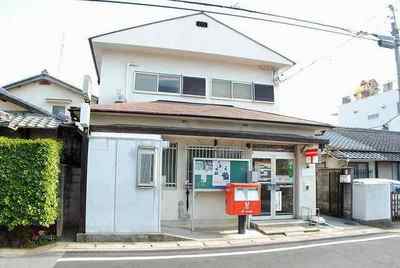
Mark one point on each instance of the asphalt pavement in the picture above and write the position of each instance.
(364, 251)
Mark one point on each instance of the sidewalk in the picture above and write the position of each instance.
(337, 228)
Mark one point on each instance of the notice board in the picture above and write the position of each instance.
(214, 174)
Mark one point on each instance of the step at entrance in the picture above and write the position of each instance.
(283, 227)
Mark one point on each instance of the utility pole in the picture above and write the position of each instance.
(396, 41)
(393, 42)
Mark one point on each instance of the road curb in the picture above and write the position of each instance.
(61, 247)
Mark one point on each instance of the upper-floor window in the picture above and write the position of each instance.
(194, 86)
(169, 83)
(58, 110)
(241, 90)
(373, 116)
(264, 92)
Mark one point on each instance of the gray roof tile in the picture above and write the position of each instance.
(359, 139)
(15, 120)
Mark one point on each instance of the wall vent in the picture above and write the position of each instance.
(201, 24)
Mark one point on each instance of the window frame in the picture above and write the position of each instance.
(212, 88)
(56, 105)
(190, 95)
(252, 84)
(263, 101)
(373, 116)
(134, 90)
(140, 151)
(244, 83)
(169, 93)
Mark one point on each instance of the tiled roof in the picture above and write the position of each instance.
(15, 120)
(363, 144)
(359, 139)
(202, 110)
(366, 155)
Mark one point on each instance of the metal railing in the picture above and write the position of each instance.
(395, 206)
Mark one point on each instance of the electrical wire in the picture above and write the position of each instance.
(262, 13)
(364, 34)
(313, 62)
(387, 122)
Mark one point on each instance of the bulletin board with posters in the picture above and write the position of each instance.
(214, 174)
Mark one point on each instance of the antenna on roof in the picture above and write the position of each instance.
(87, 87)
(61, 54)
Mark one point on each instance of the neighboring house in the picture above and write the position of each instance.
(19, 118)
(362, 153)
(208, 91)
(49, 93)
(379, 111)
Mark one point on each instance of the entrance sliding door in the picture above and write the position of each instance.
(284, 187)
(263, 167)
(275, 172)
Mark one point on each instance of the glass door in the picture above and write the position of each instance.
(263, 167)
(275, 172)
(284, 186)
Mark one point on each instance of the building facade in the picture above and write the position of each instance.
(360, 153)
(377, 111)
(208, 91)
(49, 93)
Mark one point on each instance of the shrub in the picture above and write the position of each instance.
(29, 172)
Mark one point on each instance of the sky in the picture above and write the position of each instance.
(53, 35)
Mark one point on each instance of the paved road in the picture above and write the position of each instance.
(365, 252)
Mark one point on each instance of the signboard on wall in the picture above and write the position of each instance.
(214, 174)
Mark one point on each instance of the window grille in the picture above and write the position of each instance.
(221, 152)
(146, 160)
(169, 165)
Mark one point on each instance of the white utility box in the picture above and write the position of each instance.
(371, 199)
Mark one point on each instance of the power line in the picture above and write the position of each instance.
(313, 62)
(364, 34)
(387, 122)
(263, 13)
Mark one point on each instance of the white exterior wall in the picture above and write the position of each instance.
(355, 113)
(305, 186)
(117, 76)
(114, 203)
(36, 94)
(182, 35)
(10, 107)
(210, 206)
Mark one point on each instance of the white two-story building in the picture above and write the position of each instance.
(378, 111)
(187, 105)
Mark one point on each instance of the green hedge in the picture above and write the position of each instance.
(29, 171)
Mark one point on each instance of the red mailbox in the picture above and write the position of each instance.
(242, 199)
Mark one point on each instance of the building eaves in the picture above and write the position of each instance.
(203, 110)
